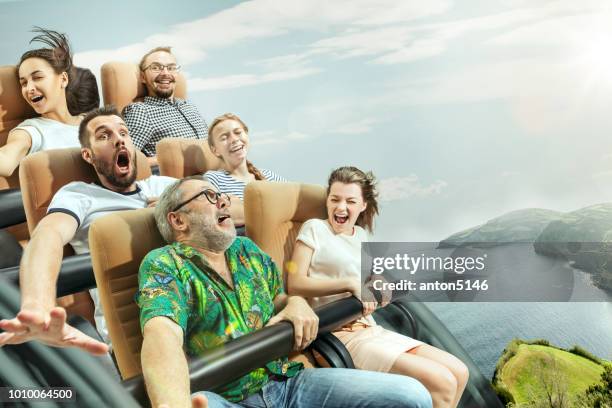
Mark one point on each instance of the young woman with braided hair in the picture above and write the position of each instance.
(228, 139)
(58, 92)
(326, 266)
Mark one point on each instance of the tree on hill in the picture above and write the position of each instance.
(598, 395)
(551, 388)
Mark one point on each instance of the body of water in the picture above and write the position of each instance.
(484, 329)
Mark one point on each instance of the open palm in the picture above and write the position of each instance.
(48, 328)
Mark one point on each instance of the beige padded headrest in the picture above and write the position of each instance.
(42, 174)
(180, 158)
(274, 213)
(13, 110)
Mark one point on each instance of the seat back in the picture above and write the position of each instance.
(185, 157)
(121, 84)
(42, 174)
(118, 243)
(275, 212)
(13, 110)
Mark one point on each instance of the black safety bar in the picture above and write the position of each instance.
(76, 275)
(11, 208)
(253, 350)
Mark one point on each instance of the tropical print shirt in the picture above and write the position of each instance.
(176, 281)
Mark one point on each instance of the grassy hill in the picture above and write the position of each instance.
(526, 369)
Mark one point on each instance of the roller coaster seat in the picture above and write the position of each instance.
(274, 213)
(185, 157)
(13, 110)
(121, 84)
(118, 243)
(41, 175)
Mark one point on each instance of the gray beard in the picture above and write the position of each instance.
(205, 234)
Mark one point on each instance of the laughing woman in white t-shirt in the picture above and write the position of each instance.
(58, 92)
(326, 265)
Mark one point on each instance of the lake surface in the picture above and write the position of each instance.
(484, 329)
(541, 296)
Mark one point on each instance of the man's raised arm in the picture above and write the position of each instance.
(39, 319)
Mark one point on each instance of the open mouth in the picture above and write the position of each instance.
(341, 219)
(164, 81)
(37, 98)
(123, 161)
(236, 148)
(222, 219)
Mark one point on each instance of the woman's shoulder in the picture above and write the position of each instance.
(315, 224)
(271, 176)
(38, 121)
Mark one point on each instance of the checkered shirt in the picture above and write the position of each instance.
(156, 118)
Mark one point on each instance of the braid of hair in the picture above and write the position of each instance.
(254, 171)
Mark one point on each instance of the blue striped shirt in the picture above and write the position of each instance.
(226, 183)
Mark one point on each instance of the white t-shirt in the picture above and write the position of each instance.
(49, 134)
(335, 256)
(86, 202)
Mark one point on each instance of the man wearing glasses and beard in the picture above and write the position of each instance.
(161, 114)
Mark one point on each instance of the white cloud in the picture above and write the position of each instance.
(356, 127)
(242, 80)
(259, 19)
(602, 175)
(401, 188)
(268, 137)
(255, 20)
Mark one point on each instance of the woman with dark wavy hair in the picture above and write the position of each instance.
(58, 92)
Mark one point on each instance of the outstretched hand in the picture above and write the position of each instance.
(49, 328)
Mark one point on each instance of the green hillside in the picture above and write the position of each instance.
(526, 370)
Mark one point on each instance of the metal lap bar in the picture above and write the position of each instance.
(238, 357)
(11, 208)
(76, 275)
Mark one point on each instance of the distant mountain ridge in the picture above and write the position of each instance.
(516, 226)
(583, 237)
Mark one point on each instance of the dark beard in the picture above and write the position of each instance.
(163, 94)
(106, 170)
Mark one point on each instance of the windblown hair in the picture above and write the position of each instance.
(367, 183)
(82, 91)
(108, 110)
(230, 116)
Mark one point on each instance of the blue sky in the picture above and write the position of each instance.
(464, 110)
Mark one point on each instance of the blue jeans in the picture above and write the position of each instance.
(337, 388)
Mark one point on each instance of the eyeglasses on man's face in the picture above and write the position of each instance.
(211, 195)
(157, 67)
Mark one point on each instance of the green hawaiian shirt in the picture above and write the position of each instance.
(176, 281)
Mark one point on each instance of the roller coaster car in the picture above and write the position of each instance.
(128, 235)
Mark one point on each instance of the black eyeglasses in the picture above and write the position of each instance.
(211, 195)
(157, 67)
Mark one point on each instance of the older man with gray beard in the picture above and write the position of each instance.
(208, 287)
